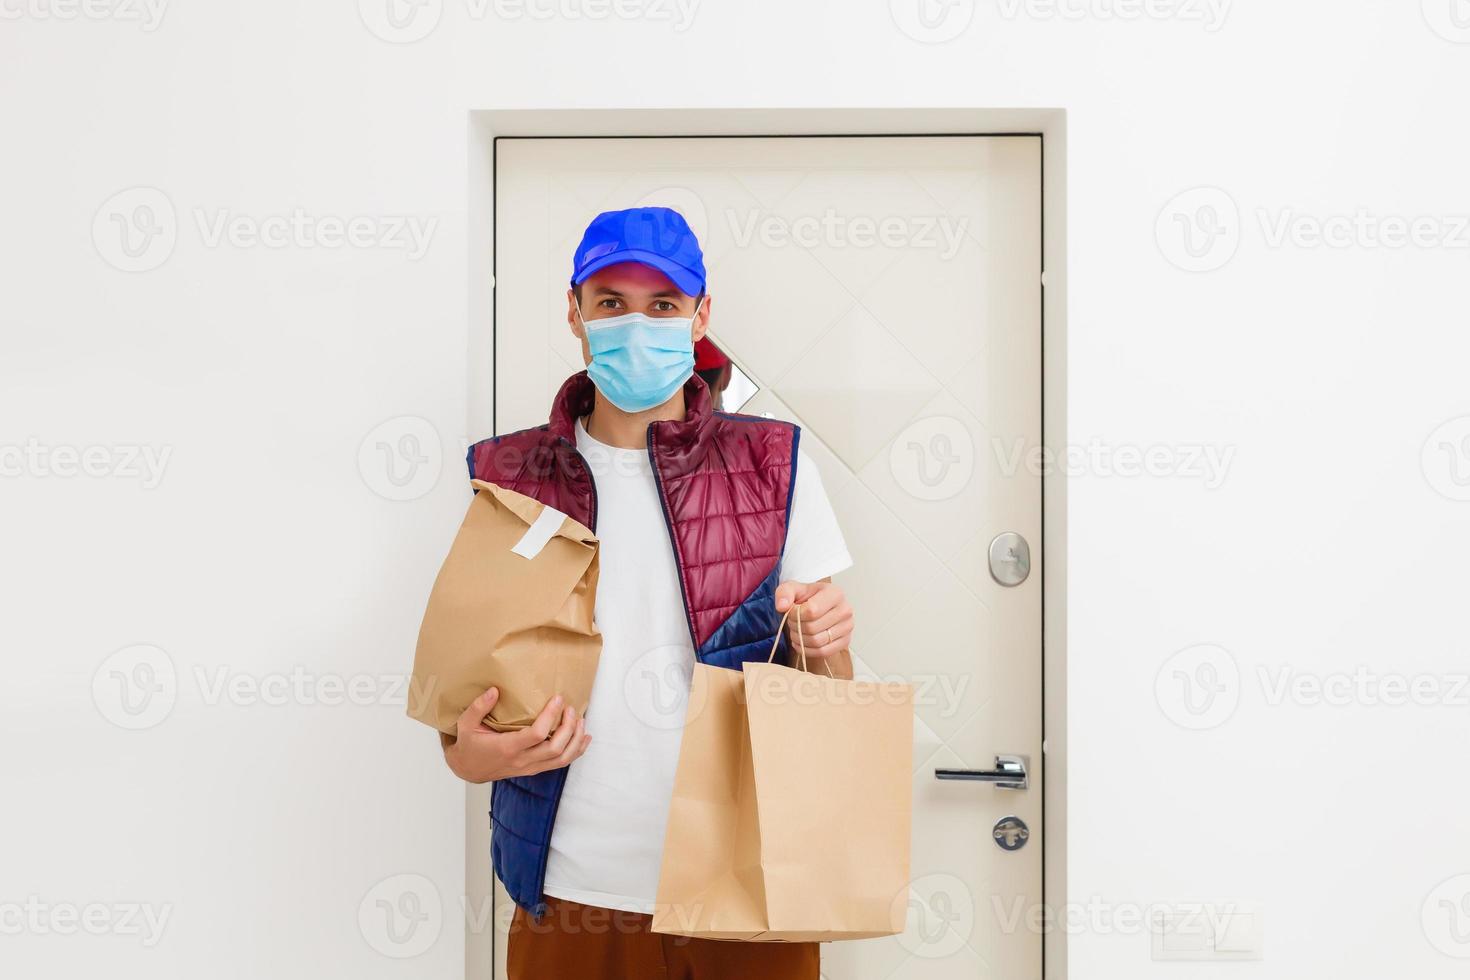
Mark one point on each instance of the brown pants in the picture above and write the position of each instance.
(584, 942)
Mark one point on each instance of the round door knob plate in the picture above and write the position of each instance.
(1010, 559)
(1011, 833)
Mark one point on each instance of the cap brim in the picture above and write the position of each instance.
(687, 281)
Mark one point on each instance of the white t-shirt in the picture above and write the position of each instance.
(608, 838)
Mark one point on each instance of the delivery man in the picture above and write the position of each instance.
(711, 526)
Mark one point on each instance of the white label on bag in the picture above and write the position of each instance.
(539, 533)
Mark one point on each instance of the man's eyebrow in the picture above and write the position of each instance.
(661, 294)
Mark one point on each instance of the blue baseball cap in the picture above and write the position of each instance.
(657, 237)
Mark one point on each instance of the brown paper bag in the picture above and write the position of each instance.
(511, 608)
(791, 808)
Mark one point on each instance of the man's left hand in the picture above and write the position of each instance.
(826, 617)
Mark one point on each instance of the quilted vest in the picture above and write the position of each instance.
(725, 483)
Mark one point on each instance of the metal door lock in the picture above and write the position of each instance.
(1010, 559)
(1011, 833)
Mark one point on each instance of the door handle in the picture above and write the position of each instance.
(1009, 773)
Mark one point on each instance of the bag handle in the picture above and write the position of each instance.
(801, 640)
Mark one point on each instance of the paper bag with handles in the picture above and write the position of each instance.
(512, 609)
(791, 809)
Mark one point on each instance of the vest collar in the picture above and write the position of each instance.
(577, 396)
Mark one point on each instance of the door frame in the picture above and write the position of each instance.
(485, 126)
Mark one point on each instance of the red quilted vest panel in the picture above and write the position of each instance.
(724, 481)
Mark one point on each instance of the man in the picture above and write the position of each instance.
(711, 525)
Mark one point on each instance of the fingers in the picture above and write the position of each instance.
(823, 598)
(554, 739)
(473, 717)
(841, 640)
(573, 750)
(571, 727)
(788, 593)
(571, 730)
(575, 744)
(540, 729)
(814, 620)
(832, 634)
(838, 641)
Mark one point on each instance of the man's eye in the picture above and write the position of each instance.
(663, 306)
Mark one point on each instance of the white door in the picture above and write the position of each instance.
(885, 294)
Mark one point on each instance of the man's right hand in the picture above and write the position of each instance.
(479, 754)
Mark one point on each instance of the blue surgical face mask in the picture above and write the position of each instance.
(639, 361)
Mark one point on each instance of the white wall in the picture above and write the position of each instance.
(261, 830)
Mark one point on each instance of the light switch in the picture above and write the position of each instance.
(1207, 931)
(1237, 932)
(1185, 933)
